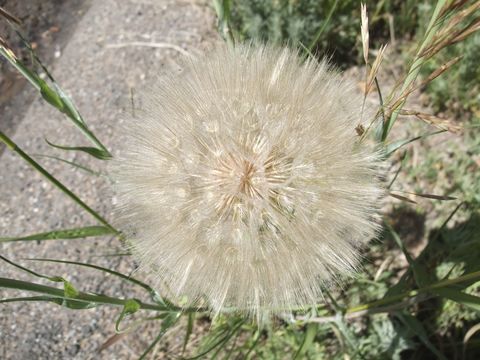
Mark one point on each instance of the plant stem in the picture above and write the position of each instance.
(10, 144)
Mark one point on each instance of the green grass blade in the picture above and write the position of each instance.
(153, 294)
(71, 304)
(72, 163)
(460, 297)
(256, 340)
(92, 151)
(320, 31)
(166, 325)
(223, 9)
(394, 146)
(374, 306)
(417, 327)
(97, 299)
(307, 342)
(131, 307)
(223, 339)
(417, 63)
(419, 272)
(191, 321)
(68, 234)
(54, 96)
(12, 146)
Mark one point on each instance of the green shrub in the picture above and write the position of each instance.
(299, 21)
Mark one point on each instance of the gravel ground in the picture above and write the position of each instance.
(48, 24)
(99, 77)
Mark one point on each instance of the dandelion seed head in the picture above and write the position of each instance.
(243, 183)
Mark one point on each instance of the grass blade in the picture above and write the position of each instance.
(97, 299)
(320, 31)
(307, 340)
(166, 325)
(417, 327)
(12, 146)
(68, 234)
(74, 164)
(394, 146)
(153, 294)
(460, 297)
(191, 321)
(92, 151)
(71, 304)
(54, 96)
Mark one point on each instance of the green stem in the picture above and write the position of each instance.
(84, 297)
(412, 293)
(10, 144)
(416, 65)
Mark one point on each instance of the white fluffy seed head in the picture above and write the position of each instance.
(243, 183)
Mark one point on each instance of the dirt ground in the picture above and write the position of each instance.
(91, 48)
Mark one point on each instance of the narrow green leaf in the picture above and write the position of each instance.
(72, 163)
(71, 304)
(95, 152)
(417, 327)
(320, 31)
(223, 10)
(419, 272)
(76, 233)
(51, 96)
(394, 146)
(224, 336)
(54, 96)
(191, 321)
(153, 293)
(131, 307)
(169, 321)
(31, 272)
(256, 340)
(416, 64)
(97, 299)
(307, 342)
(27, 73)
(69, 290)
(14, 147)
(458, 296)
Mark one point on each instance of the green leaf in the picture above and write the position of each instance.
(394, 146)
(169, 321)
(319, 33)
(14, 147)
(72, 163)
(69, 290)
(76, 233)
(71, 304)
(255, 342)
(131, 307)
(221, 339)
(417, 327)
(191, 321)
(153, 293)
(51, 96)
(458, 296)
(95, 152)
(307, 340)
(94, 299)
(419, 272)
